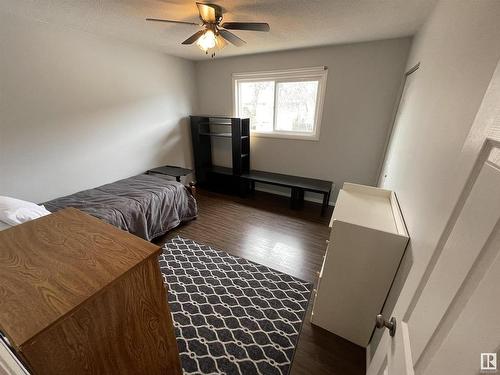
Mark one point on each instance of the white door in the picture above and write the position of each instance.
(454, 314)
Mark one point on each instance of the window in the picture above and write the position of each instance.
(286, 104)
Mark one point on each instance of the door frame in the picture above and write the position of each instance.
(394, 118)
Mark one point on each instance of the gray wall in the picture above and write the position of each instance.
(458, 49)
(363, 84)
(77, 110)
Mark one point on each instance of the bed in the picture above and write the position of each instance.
(4, 226)
(145, 205)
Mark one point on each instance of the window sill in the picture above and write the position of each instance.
(302, 137)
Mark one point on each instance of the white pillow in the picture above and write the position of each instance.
(15, 211)
(4, 226)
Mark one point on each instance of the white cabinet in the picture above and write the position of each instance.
(368, 238)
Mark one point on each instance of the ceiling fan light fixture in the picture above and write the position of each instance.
(215, 34)
(207, 40)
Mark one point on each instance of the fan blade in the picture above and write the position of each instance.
(207, 12)
(172, 21)
(253, 26)
(231, 38)
(220, 42)
(193, 38)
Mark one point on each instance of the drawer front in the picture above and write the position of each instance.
(320, 274)
(112, 325)
(332, 233)
(313, 299)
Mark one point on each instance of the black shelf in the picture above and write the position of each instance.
(214, 134)
(210, 175)
(215, 123)
(213, 117)
(221, 170)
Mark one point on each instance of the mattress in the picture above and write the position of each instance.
(145, 205)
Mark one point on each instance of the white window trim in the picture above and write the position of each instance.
(317, 73)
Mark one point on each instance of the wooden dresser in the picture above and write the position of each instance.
(79, 296)
(367, 240)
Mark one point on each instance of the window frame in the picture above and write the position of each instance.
(318, 74)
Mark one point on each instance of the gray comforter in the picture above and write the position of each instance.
(145, 205)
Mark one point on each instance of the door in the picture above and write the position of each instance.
(450, 324)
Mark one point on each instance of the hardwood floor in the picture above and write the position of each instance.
(265, 230)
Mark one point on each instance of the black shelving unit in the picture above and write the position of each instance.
(214, 177)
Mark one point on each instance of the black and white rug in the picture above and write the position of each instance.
(231, 316)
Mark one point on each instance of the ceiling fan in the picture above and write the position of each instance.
(215, 34)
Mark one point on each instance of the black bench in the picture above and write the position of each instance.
(297, 184)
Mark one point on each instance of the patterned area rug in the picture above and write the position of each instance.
(231, 316)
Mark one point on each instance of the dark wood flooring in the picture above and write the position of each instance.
(262, 228)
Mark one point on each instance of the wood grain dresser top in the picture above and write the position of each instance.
(50, 265)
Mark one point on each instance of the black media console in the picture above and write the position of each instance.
(239, 178)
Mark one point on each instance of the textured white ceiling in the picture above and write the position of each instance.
(294, 23)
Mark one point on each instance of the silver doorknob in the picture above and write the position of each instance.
(380, 322)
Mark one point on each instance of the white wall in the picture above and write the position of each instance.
(363, 83)
(77, 110)
(458, 47)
